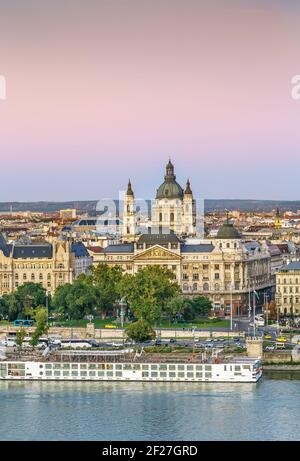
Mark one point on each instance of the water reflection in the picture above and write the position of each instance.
(150, 411)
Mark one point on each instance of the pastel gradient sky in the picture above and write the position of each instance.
(103, 90)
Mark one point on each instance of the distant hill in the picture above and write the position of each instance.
(89, 206)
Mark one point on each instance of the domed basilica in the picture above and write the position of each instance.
(173, 210)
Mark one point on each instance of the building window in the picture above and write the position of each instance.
(205, 287)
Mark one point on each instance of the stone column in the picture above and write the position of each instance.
(90, 330)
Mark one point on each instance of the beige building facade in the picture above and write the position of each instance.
(50, 265)
(224, 269)
(288, 289)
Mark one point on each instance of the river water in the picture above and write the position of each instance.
(268, 410)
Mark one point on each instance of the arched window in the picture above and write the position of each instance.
(185, 287)
(217, 287)
(195, 286)
(205, 287)
(32, 276)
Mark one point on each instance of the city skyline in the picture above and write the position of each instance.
(101, 94)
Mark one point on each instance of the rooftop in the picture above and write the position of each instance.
(294, 266)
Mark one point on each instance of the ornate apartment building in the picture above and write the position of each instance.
(50, 264)
(224, 268)
(288, 289)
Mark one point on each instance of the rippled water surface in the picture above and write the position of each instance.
(268, 410)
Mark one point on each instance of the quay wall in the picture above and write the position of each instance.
(117, 333)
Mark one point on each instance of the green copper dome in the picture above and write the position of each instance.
(170, 188)
(227, 231)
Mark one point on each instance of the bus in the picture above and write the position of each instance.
(23, 323)
(77, 343)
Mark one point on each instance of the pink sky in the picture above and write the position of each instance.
(105, 90)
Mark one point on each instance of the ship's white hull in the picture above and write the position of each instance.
(147, 372)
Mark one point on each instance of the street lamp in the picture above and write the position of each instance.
(122, 311)
(47, 306)
(231, 309)
(267, 313)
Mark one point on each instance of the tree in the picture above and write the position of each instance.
(77, 300)
(41, 326)
(140, 331)
(25, 299)
(176, 307)
(107, 280)
(200, 305)
(149, 291)
(20, 337)
(4, 307)
(189, 308)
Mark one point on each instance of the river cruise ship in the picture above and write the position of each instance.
(89, 366)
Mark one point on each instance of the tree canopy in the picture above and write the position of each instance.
(148, 292)
(140, 331)
(22, 301)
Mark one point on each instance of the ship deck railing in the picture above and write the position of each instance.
(117, 356)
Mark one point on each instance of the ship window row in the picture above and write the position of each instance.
(112, 374)
(125, 366)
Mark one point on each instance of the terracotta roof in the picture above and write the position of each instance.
(95, 249)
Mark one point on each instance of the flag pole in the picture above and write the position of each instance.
(254, 306)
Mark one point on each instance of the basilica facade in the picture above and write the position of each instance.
(173, 210)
